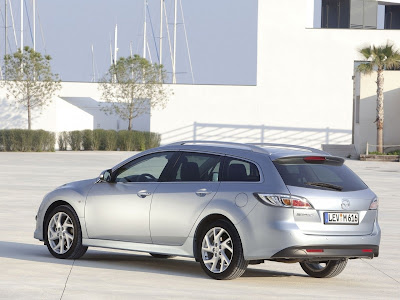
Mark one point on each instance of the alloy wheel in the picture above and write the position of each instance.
(60, 233)
(217, 250)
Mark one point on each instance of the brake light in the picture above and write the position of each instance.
(314, 250)
(367, 250)
(374, 204)
(284, 200)
(314, 159)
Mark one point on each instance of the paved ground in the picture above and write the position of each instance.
(28, 271)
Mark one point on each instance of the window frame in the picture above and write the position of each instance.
(135, 161)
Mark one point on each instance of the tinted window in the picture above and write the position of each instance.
(335, 14)
(240, 170)
(144, 169)
(392, 17)
(197, 167)
(322, 175)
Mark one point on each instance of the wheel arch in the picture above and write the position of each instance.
(207, 220)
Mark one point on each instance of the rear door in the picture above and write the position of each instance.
(340, 199)
(177, 203)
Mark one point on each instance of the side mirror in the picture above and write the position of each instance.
(105, 176)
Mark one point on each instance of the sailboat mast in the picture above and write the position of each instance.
(22, 26)
(161, 28)
(5, 28)
(145, 29)
(174, 60)
(34, 24)
(94, 72)
(115, 44)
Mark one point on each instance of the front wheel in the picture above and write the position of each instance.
(221, 252)
(63, 233)
(324, 269)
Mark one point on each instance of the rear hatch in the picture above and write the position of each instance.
(341, 203)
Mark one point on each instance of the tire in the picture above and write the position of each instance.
(324, 269)
(156, 255)
(221, 258)
(63, 234)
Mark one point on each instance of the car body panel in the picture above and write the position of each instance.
(311, 221)
(175, 208)
(114, 211)
(73, 193)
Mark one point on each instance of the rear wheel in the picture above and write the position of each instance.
(63, 235)
(221, 252)
(324, 269)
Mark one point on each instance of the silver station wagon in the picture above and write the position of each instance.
(225, 204)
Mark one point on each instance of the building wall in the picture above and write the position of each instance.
(366, 129)
(306, 74)
(304, 92)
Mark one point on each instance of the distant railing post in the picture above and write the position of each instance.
(367, 150)
(262, 133)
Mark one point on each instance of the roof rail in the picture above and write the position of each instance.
(289, 146)
(256, 147)
(238, 145)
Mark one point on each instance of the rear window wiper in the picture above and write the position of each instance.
(325, 185)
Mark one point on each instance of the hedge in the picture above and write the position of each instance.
(26, 140)
(98, 139)
(108, 140)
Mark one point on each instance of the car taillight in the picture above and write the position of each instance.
(314, 159)
(374, 204)
(284, 200)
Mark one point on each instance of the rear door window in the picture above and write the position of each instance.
(327, 173)
(240, 170)
(196, 167)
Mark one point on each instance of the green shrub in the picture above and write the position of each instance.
(87, 139)
(98, 139)
(110, 140)
(125, 140)
(62, 141)
(75, 140)
(152, 139)
(140, 141)
(43, 140)
(26, 140)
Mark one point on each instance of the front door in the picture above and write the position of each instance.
(119, 210)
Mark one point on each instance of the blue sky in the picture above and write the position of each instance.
(222, 36)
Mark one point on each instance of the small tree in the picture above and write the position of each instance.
(132, 87)
(379, 59)
(28, 79)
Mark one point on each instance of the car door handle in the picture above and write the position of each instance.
(143, 194)
(202, 192)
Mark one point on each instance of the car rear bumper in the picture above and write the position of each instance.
(318, 252)
(268, 234)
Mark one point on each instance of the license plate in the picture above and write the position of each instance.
(341, 218)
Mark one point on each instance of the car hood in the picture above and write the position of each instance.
(82, 186)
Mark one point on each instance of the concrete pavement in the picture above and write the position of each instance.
(28, 271)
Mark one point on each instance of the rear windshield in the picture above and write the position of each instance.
(325, 173)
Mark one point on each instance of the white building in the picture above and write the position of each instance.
(305, 92)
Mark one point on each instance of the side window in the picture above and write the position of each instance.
(197, 167)
(240, 170)
(144, 169)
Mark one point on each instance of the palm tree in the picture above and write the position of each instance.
(379, 59)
